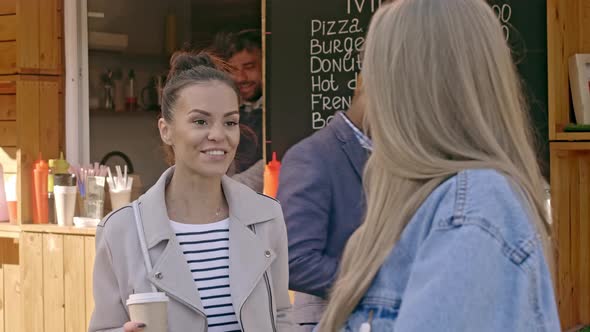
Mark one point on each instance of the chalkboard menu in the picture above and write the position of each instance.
(313, 60)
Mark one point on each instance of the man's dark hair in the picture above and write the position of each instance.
(226, 44)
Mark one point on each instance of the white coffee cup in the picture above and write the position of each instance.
(150, 309)
(65, 204)
(120, 198)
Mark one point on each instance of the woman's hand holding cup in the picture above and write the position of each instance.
(133, 327)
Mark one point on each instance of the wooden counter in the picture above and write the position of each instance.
(56, 267)
(45, 276)
(14, 231)
(9, 230)
(55, 229)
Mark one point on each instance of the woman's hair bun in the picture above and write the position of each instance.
(182, 61)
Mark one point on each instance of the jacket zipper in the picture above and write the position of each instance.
(268, 291)
(272, 318)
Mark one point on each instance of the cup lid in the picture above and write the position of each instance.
(141, 298)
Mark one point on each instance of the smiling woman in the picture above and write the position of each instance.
(210, 237)
(204, 132)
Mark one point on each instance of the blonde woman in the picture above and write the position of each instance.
(453, 237)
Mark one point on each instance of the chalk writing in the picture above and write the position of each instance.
(504, 13)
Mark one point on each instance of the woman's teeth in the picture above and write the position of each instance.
(215, 153)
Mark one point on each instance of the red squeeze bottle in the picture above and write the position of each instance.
(34, 191)
(271, 176)
(40, 174)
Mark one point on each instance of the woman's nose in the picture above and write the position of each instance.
(217, 132)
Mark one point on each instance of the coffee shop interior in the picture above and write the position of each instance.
(80, 84)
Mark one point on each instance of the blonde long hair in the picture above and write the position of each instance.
(443, 96)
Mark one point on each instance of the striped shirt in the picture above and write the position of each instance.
(206, 249)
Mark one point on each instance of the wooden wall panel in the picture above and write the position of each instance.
(9, 251)
(89, 253)
(53, 282)
(8, 84)
(8, 26)
(49, 119)
(8, 133)
(8, 58)
(74, 276)
(560, 200)
(28, 34)
(28, 102)
(7, 7)
(50, 37)
(13, 318)
(584, 24)
(32, 281)
(584, 239)
(570, 200)
(7, 107)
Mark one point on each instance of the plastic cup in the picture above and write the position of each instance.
(65, 204)
(150, 309)
(120, 198)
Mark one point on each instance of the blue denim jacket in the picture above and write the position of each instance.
(469, 260)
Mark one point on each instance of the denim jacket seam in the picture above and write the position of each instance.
(375, 300)
(526, 266)
(517, 254)
(460, 196)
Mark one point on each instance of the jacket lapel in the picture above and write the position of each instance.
(249, 257)
(170, 270)
(248, 260)
(171, 274)
(356, 154)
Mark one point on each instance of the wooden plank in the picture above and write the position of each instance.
(49, 42)
(75, 302)
(89, 253)
(53, 282)
(49, 119)
(7, 7)
(62, 114)
(27, 140)
(56, 229)
(13, 318)
(584, 240)
(27, 36)
(7, 107)
(574, 174)
(8, 133)
(9, 251)
(8, 84)
(560, 186)
(32, 281)
(2, 299)
(8, 61)
(585, 25)
(570, 146)
(8, 28)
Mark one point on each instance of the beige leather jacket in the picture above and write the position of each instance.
(258, 266)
